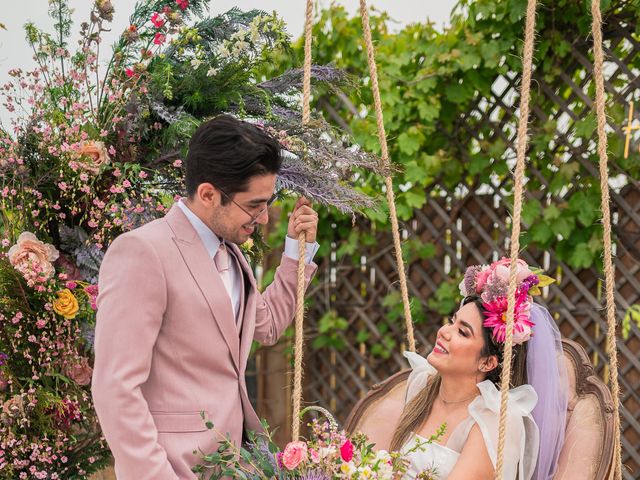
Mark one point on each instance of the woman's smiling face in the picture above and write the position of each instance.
(459, 344)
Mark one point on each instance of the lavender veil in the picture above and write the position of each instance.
(546, 373)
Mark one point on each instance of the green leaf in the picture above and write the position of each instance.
(363, 336)
(582, 257)
(551, 213)
(445, 298)
(413, 172)
(409, 142)
(541, 233)
(563, 226)
(632, 315)
(415, 199)
(569, 170)
(531, 210)
(585, 127)
(491, 53)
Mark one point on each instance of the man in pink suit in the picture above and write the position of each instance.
(179, 308)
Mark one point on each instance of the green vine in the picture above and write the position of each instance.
(431, 79)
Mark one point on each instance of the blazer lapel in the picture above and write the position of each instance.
(206, 277)
(244, 265)
(248, 324)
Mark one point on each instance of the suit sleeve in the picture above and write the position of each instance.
(277, 305)
(131, 304)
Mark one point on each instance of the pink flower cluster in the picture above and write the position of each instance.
(490, 283)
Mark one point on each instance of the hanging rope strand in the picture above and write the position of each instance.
(598, 77)
(521, 146)
(384, 159)
(299, 321)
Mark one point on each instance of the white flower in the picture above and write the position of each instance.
(223, 51)
(212, 72)
(348, 468)
(383, 455)
(240, 47)
(239, 35)
(365, 472)
(385, 471)
(254, 32)
(195, 63)
(325, 452)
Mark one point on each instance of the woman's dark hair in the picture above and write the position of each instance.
(491, 347)
(227, 153)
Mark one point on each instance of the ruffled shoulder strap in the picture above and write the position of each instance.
(522, 441)
(421, 370)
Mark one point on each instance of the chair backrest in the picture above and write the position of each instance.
(587, 453)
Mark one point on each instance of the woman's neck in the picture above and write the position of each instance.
(456, 390)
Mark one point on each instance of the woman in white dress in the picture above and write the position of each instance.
(458, 384)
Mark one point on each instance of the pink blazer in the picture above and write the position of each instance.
(167, 347)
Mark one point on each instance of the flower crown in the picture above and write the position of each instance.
(491, 284)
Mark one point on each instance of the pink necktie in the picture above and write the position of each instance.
(221, 260)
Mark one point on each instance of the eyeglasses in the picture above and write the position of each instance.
(254, 216)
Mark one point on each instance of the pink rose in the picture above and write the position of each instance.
(80, 372)
(33, 258)
(95, 155)
(12, 409)
(501, 270)
(294, 454)
(346, 451)
(315, 455)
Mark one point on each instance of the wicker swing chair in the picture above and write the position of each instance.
(587, 453)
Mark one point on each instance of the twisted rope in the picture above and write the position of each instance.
(299, 321)
(521, 146)
(384, 160)
(598, 77)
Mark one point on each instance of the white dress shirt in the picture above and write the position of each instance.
(212, 242)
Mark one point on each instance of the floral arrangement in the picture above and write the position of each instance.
(47, 426)
(95, 149)
(491, 283)
(329, 454)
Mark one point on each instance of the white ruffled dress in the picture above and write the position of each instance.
(522, 437)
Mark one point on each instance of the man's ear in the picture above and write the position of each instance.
(208, 195)
(489, 363)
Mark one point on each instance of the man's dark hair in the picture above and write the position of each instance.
(227, 153)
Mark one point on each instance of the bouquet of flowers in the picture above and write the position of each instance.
(329, 454)
(95, 149)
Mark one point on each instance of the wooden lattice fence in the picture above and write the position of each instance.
(471, 224)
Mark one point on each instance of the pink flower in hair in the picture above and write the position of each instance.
(501, 270)
(496, 318)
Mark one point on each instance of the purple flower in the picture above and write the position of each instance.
(469, 281)
(3, 358)
(529, 282)
(315, 475)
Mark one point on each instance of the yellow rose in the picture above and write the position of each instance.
(66, 304)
